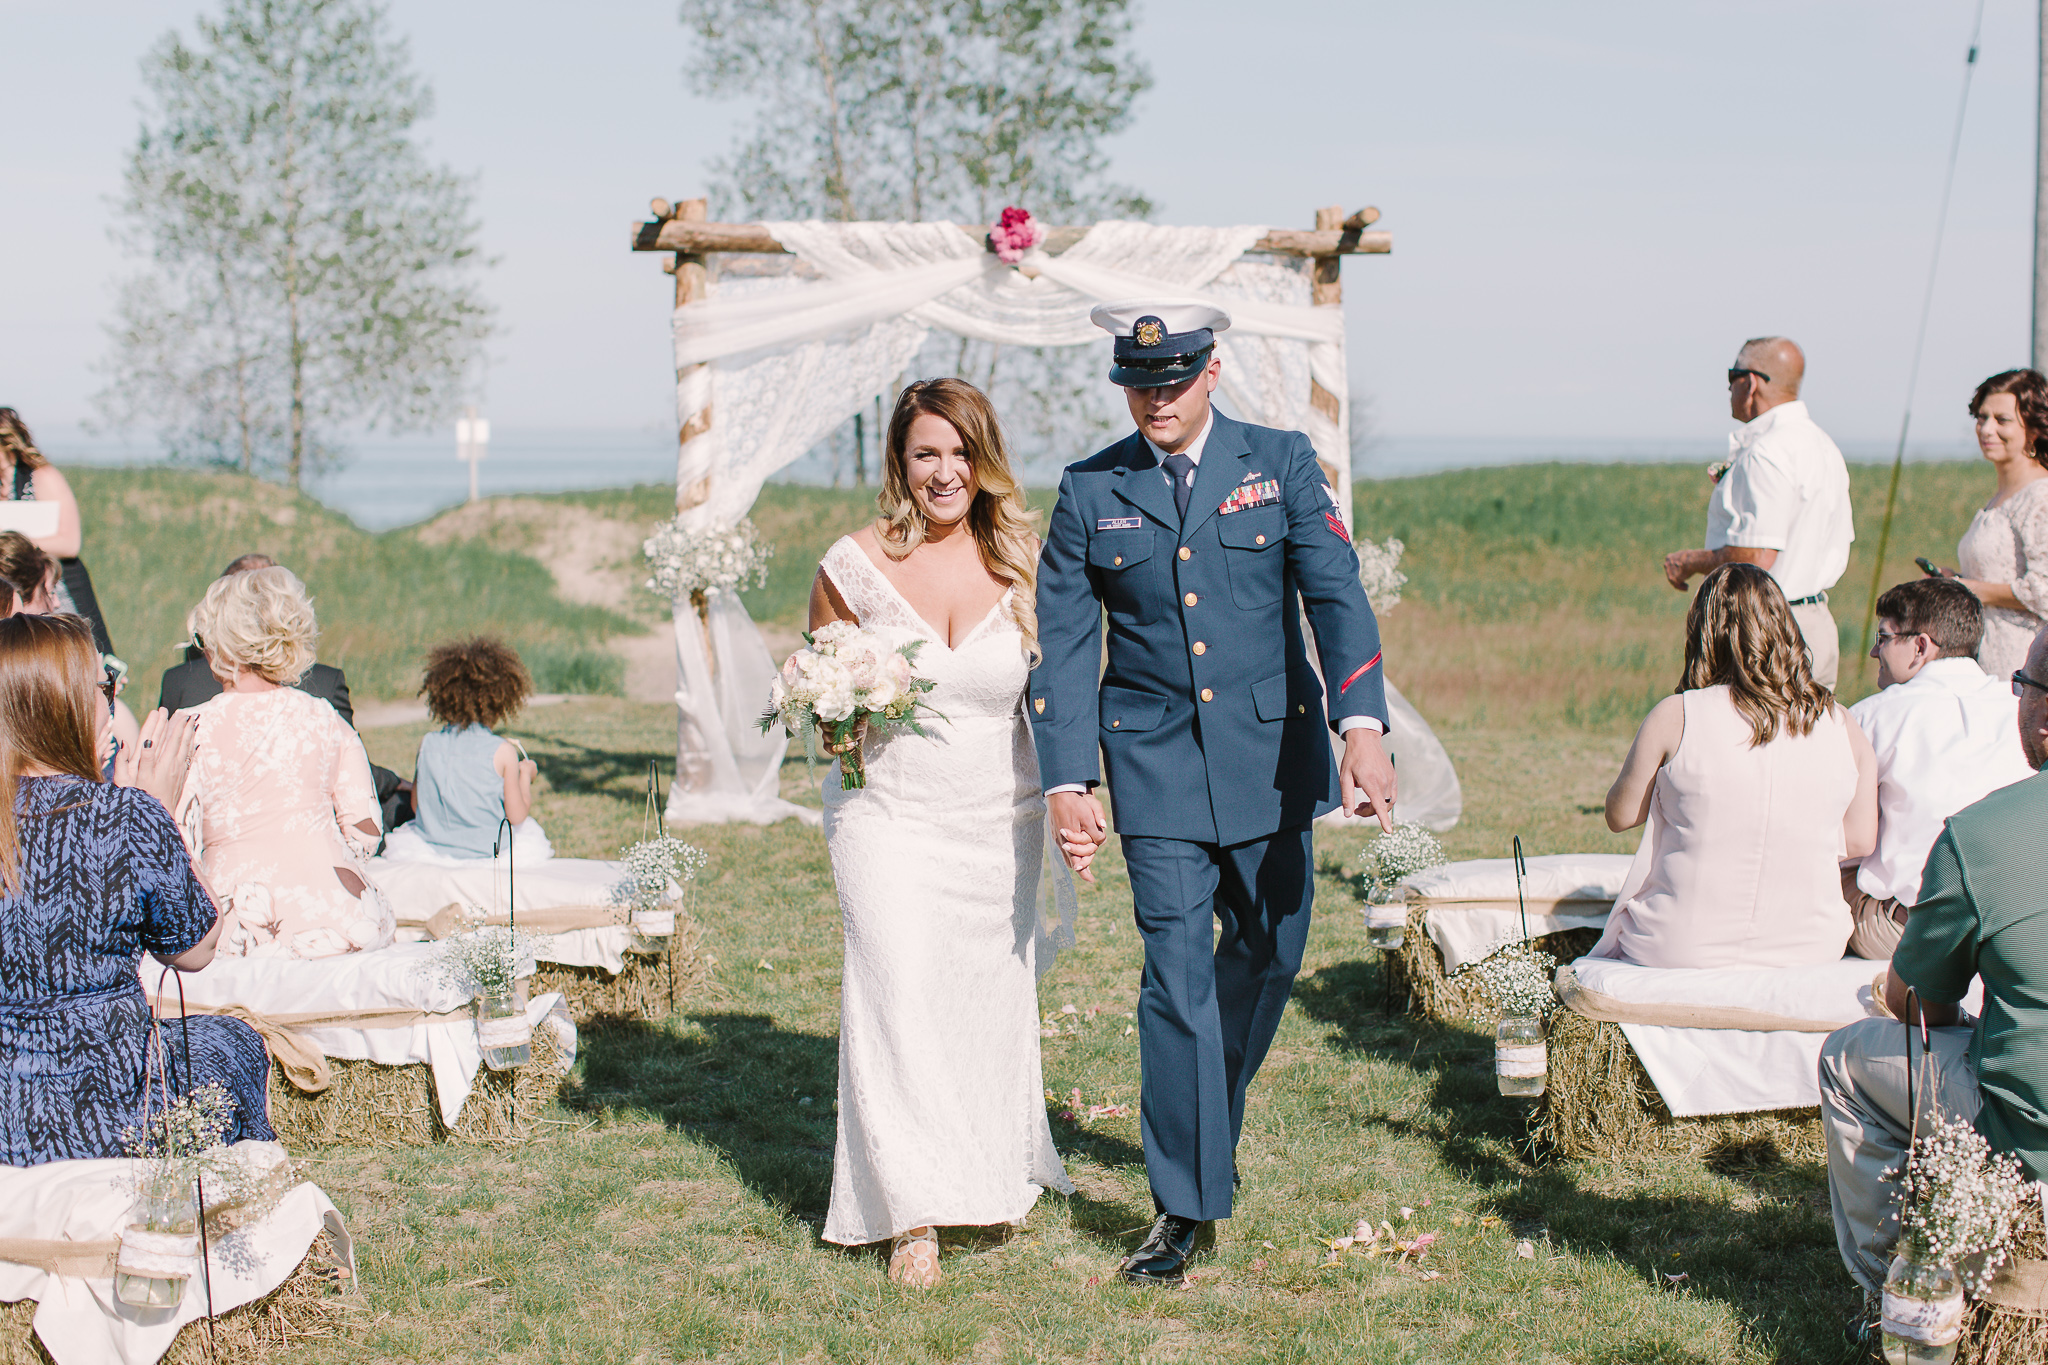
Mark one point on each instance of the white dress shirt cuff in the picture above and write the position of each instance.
(1350, 723)
(1079, 788)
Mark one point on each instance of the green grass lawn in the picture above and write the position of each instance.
(668, 1210)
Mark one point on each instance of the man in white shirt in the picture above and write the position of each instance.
(1946, 736)
(1783, 501)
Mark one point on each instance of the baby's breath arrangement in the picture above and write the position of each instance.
(1379, 572)
(1958, 1201)
(1394, 858)
(487, 961)
(651, 865)
(1517, 975)
(183, 1143)
(721, 559)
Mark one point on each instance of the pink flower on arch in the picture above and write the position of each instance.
(1015, 234)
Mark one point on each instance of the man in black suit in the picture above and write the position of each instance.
(192, 682)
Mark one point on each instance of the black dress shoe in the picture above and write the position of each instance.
(1163, 1257)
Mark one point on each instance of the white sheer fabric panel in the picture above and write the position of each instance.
(722, 676)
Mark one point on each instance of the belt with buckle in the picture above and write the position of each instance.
(1809, 601)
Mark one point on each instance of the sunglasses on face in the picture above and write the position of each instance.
(2021, 681)
(1735, 375)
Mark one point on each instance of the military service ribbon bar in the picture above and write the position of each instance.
(1250, 495)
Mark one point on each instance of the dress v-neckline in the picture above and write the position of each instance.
(869, 564)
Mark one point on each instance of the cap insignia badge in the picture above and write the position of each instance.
(1149, 333)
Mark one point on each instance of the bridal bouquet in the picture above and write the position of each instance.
(844, 680)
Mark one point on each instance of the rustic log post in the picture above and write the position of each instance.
(693, 486)
(1326, 290)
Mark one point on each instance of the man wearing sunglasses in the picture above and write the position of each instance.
(1982, 913)
(1782, 501)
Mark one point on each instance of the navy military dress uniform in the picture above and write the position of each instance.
(1214, 729)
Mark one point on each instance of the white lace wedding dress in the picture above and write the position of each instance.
(939, 861)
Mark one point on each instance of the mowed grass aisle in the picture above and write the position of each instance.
(668, 1210)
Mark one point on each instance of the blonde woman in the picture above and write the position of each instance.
(938, 859)
(1754, 784)
(288, 811)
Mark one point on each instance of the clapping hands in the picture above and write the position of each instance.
(158, 763)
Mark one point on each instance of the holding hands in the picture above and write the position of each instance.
(159, 763)
(1082, 827)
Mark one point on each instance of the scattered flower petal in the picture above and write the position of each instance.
(1406, 1214)
(1525, 1250)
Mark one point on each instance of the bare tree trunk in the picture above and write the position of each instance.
(295, 350)
(828, 74)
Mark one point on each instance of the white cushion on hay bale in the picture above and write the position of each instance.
(556, 892)
(397, 983)
(77, 1317)
(1727, 1040)
(1471, 907)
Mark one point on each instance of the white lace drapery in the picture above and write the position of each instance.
(774, 364)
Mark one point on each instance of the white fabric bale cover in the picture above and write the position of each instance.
(418, 891)
(774, 363)
(1473, 906)
(401, 977)
(79, 1320)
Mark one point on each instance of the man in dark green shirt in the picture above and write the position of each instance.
(1982, 912)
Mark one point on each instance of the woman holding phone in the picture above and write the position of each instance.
(2004, 554)
(26, 476)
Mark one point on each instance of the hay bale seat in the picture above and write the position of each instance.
(313, 1304)
(1998, 1334)
(1416, 968)
(373, 1105)
(643, 989)
(1599, 1102)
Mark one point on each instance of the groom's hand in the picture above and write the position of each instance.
(1368, 776)
(1081, 827)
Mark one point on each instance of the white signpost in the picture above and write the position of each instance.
(472, 442)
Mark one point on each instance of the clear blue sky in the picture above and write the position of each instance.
(1592, 203)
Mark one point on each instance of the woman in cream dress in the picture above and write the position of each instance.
(287, 809)
(2004, 554)
(1754, 784)
(938, 859)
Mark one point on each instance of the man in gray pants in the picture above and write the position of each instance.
(1983, 910)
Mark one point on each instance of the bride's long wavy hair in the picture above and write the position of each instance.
(998, 518)
(1739, 631)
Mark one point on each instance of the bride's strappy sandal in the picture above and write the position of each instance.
(914, 1258)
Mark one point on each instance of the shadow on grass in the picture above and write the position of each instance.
(1768, 1252)
(739, 1083)
(582, 768)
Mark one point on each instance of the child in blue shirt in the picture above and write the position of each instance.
(467, 778)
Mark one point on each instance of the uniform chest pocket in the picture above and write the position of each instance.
(1131, 581)
(1253, 547)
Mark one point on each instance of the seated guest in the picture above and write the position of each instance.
(467, 779)
(28, 582)
(93, 875)
(1945, 736)
(1754, 784)
(287, 809)
(1981, 913)
(192, 682)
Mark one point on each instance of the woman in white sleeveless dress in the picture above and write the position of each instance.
(2004, 554)
(1755, 784)
(938, 859)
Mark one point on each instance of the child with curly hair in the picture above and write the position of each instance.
(468, 779)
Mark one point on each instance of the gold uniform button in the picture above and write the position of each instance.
(1207, 695)
(1190, 599)
(1113, 724)
(1201, 648)
(1118, 560)
(1186, 553)
(1258, 540)
(1301, 710)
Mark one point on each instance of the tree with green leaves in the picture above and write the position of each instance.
(308, 269)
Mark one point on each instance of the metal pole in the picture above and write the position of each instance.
(2039, 349)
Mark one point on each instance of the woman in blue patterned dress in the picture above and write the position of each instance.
(92, 875)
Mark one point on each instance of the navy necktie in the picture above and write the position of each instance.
(1180, 466)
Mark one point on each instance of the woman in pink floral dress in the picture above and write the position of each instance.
(287, 809)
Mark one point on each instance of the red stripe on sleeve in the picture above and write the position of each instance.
(1361, 669)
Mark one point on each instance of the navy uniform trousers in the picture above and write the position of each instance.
(1206, 1017)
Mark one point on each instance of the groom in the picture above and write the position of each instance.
(1198, 535)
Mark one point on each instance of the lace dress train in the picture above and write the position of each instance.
(938, 862)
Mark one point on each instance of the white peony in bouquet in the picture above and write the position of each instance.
(843, 681)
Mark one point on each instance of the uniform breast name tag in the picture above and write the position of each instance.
(1250, 495)
(1119, 523)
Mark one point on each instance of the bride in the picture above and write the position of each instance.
(938, 859)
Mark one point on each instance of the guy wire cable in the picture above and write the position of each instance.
(1948, 181)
